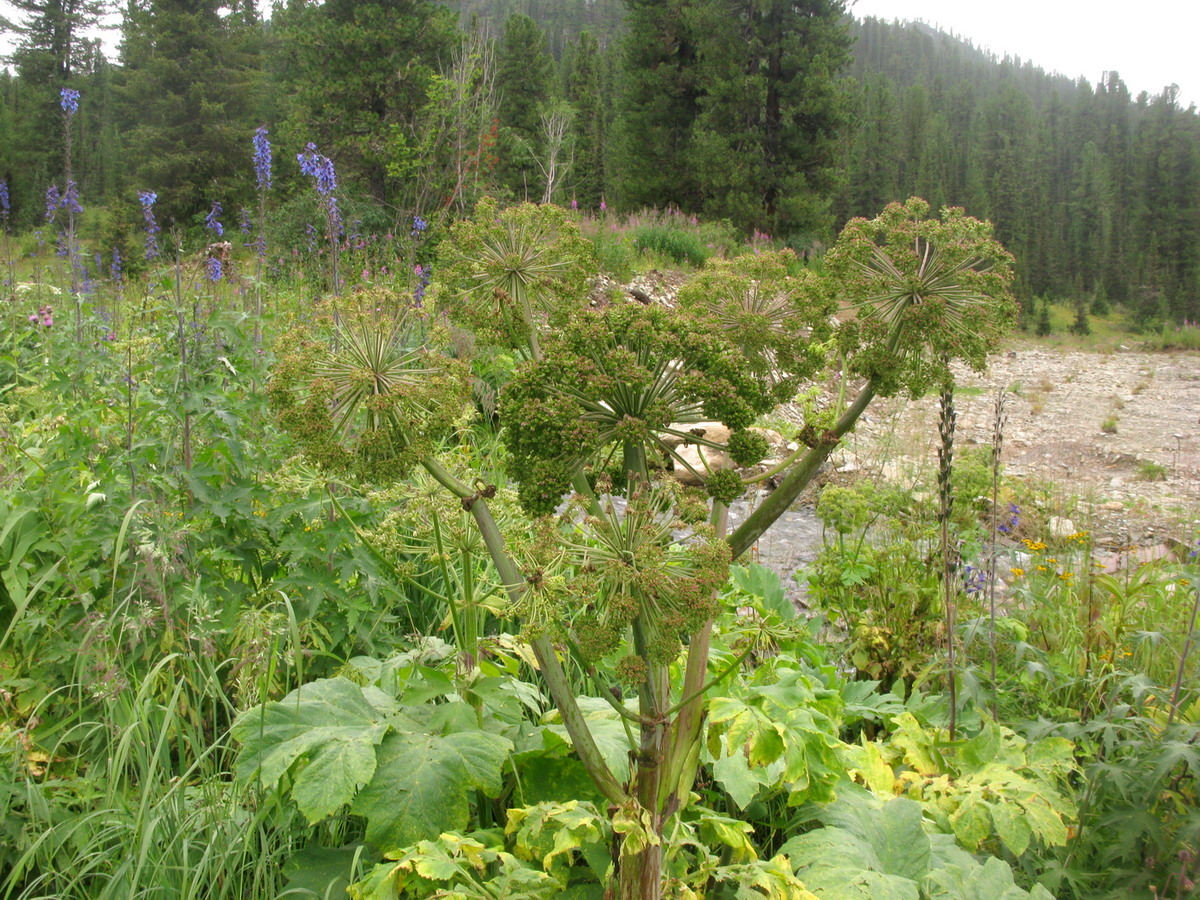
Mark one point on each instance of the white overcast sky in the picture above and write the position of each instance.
(1152, 43)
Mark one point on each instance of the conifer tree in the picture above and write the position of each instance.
(583, 91)
(524, 77)
(186, 101)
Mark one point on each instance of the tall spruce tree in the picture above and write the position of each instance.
(353, 71)
(656, 108)
(733, 107)
(186, 99)
(583, 91)
(524, 79)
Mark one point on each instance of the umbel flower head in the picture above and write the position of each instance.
(362, 394)
(623, 375)
(643, 561)
(925, 291)
(508, 273)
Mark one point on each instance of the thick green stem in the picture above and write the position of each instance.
(685, 732)
(445, 479)
(797, 480)
(551, 669)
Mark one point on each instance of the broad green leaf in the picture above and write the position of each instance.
(330, 723)
(422, 784)
(333, 776)
(1012, 827)
(981, 749)
(1046, 823)
(971, 822)
(993, 881)
(609, 733)
(762, 582)
(734, 774)
(732, 833)
(867, 760)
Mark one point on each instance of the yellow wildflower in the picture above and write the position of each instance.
(1016, 572)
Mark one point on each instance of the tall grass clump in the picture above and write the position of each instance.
(674, 243)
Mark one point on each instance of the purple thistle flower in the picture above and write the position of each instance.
(214, 269)
(262, 158)
(69, 100)
(53, 202)
(211, 222)
(147, 199)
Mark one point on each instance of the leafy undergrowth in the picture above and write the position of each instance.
(227, 672)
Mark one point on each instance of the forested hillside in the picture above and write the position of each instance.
(783, 121)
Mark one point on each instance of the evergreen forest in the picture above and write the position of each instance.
(682, 104)
(459, 450)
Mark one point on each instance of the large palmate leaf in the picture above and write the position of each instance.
(344, 744)
(869, 849)
(422, 783)
(325, 733)
(877, 849)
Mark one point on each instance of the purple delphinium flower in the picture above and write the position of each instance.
(419, 226)
(1014, 519)
(262, 158)
(70, 198)
(53, 202)
(214, 269)
(4, 201)
(320, 169)
(212, 222)
(311, 232)
(422, 273)
(69, 99)
(115, 269)
(147, 199)
(244, 220)
(974, 579)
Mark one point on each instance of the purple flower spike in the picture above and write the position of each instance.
(53, 202)
(262, 158)
(69, 100)
(212, 222)
(147, 199)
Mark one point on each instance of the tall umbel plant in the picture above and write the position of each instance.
(632, 567)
